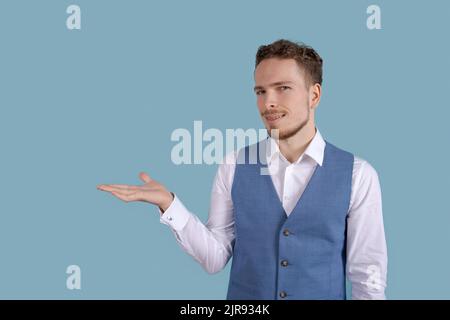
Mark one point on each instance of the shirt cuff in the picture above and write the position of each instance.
(176, 216)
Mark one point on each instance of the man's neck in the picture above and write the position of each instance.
(293, 147)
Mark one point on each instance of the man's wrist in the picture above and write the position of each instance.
(163, 207)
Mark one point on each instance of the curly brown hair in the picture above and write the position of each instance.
(306, 57)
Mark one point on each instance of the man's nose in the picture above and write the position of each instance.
(270, 105)
(270, 101)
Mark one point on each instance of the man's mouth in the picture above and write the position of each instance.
(274, 117)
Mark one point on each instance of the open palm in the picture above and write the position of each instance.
(151, 191)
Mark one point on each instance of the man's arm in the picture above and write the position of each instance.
(366, 244)
(211, 244)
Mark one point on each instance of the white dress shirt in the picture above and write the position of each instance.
(211, 244)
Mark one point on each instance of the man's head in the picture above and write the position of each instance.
(288, 80)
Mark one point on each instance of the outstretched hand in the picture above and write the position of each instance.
(151, 191)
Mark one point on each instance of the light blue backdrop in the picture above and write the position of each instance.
(98, 105)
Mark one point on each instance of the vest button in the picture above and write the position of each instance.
(286, 232)
(283, 294)
(284, 263)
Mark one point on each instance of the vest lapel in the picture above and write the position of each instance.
(268, 180)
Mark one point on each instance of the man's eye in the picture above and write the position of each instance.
(284, 88)
(259, 92)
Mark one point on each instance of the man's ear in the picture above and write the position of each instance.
(315, 93)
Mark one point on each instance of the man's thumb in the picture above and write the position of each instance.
(145, 177)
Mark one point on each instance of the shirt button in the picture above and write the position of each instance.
(286, 232)
(283, 294)
(284, 263)
(169, 218)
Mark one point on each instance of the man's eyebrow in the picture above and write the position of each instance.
(273, 84)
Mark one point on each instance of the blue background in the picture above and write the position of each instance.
(98, 105)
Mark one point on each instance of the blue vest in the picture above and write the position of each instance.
(300, 256)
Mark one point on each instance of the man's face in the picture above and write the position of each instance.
(282, 96)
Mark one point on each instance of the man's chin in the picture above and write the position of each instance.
(274, 132)
(283, 134)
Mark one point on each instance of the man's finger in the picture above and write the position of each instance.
(124, 186)
(145, 177)
(112, 187)
(120, 196)
(128, 195)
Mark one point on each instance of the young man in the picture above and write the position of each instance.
(297, 232)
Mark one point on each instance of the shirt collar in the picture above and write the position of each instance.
(315, 149)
